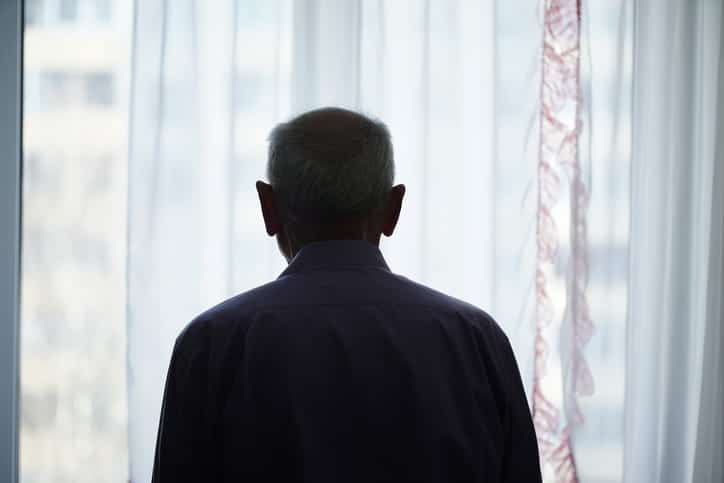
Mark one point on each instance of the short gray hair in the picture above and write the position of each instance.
(330, 164)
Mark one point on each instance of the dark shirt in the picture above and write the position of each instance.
(341, 371)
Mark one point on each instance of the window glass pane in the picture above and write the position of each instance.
(72, 345)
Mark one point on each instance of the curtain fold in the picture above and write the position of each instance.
(674, 373)
(708, 460)
(604, 148)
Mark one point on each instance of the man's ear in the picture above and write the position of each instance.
(392, 210)
(267, 199)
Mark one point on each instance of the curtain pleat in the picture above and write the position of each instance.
(674, 380)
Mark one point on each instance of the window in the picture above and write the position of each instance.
(55, 89)
(99, 89)
(72, 350)
(33, 12)
(68, 10)
(41, 173)
(103, 10)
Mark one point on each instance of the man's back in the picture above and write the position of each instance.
(340, 371)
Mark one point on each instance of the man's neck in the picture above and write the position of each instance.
(343, 231)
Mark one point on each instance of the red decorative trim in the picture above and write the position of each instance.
(558, 155)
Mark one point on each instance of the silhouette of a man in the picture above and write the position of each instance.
(339, 370)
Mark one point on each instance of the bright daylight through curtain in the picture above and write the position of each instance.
(459, 84)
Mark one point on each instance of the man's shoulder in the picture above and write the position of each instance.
(244, 302)
(233, 315)
(426, 295)
(230, 315)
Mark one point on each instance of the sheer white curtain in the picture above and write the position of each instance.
(675, 369)
(459, 84)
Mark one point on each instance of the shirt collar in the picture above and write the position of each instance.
(336, 254)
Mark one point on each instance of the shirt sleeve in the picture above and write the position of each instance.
(182, 449)
(521, 461)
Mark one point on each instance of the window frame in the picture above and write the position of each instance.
(11, 55)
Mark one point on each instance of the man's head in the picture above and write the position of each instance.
(330, 173)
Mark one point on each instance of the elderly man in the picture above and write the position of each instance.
(339, 370)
